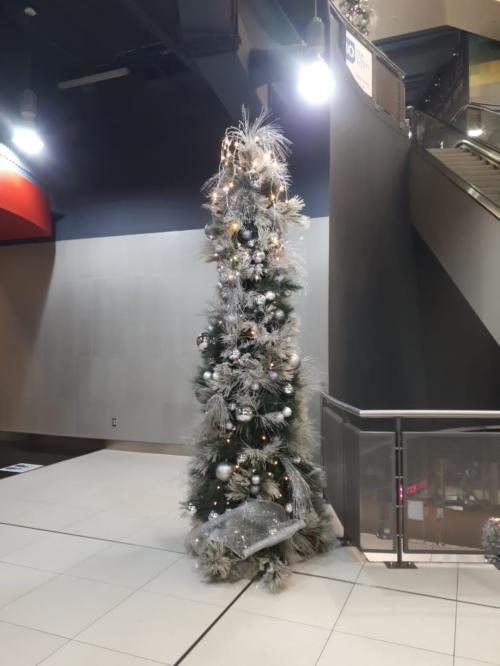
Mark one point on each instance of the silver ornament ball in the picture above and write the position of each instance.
(202, 341)
(234, 354)
(254, 490)
(270, 295)
(255, 386)
(223, 471)
(287, 412)
(288, 508)
(279, 315)
(191, 508)
(294, 361)
(213, 515)
(229, 426)
(255, 480)
(215, 376)
(288, 389)
(259, 256)
(273, 375)
(207, 375)
(244, 414)
(232, 406)
(260, 300)
(246, 234)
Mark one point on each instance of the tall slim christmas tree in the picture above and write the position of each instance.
(253, 487)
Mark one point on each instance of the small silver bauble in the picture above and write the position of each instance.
(287, 293)
(215, 376)
(288, 508)
(255, 479)
(208, 232)
(207, 375)
(223, 471)
(273, 375)
(260, 300)
(191, 508)
(244, 414)
(294, 361)
(251, 243)
(286, 411)
(273, 239)
(288, 388)
(202, 341)
(259, 256)
(246, 234)
(234, 354)
(297, 460)
(255, 386)
(270, 295)
(254, 490)
(279, 315)
(229, 426)
(212, 515)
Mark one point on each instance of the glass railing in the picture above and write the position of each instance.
(480, 122)
(412, 482)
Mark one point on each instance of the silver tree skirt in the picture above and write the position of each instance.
(252, 526)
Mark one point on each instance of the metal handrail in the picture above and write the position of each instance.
(490, 108)
(487, 153)
(411, 413)
(366, 42)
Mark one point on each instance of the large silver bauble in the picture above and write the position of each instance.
(207, 375)
(273, 375)
(260, 300)
(223, 471)
(287, 412)
(244, 414)
(270, 295)
(279, 315)
(288, 389)
(258, 256)
(294, 361)
(255, 479)
(234, 354)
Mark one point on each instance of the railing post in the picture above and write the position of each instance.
(400, 498)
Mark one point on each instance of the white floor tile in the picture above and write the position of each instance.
(42, 515)
(121, 564)
(339, 563)
(114, 524)
(168, 532)
(246, 639)
(478, 633)
(183, 580)
(355, 650)
(307, 599)
(12, 538)
(16, 581)
(55, 552)
(80, 654)
(24, 647)
(152, 626)
(391, 616)
(460, 661)
(439, 580)
(479, 584)
(63, 606)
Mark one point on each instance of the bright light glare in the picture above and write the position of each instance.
(27, 140)
(315, 82)
(474, 131)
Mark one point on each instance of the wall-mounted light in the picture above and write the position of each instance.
(25, 137)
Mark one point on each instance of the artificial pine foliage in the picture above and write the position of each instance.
(359, 13)
(254, 442)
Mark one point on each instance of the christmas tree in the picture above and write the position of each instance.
(359, 13)
(253, 486)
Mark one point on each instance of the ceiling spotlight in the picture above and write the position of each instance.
(315, 81)
(30, 11)
(27, 140)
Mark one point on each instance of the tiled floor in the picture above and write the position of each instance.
(93, 572)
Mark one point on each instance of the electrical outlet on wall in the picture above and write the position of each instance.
(114, 421)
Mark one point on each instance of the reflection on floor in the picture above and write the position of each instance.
(93, 573)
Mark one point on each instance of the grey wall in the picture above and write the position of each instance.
(375, 354)
(98, 328)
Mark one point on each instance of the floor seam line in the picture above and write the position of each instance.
(381, 640)
(353, 585)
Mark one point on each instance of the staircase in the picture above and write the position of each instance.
(476, 170)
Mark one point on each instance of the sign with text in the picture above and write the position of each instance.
(360, 62)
